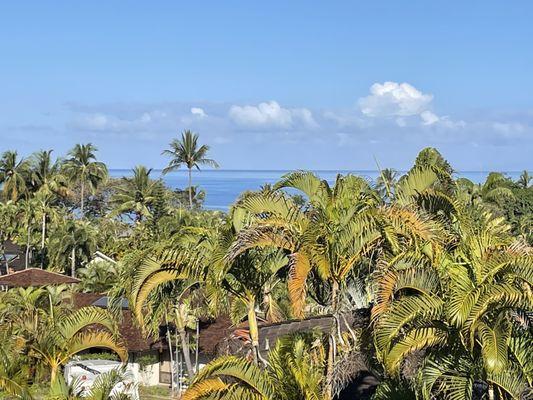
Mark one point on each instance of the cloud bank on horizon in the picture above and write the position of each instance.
(391, 122)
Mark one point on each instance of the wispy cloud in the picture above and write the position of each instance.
(271, 115)
(392, 115)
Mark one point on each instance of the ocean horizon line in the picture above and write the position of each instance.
(317, 170)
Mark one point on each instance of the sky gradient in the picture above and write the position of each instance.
(272, 85)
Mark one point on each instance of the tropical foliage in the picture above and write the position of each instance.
(443, 267)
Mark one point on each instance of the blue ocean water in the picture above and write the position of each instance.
(223, 187)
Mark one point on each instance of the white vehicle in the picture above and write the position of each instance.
(87, 371)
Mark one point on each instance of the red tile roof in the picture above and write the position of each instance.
(35, 277)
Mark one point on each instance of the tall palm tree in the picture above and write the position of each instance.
(331, 238)
(83, 168)
(27, 213)
(45, 213)
(73, 241)
(46, 174)
(136, 195)
(187, 152)
(14, 174)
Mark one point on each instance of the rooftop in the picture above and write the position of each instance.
(35, 277)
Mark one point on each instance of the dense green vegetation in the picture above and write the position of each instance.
(444, 265)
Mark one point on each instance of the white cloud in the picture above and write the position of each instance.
(392, 99)
(198, 112)
(429, 118)
(271, 115)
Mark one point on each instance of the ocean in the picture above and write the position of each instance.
(222, 187)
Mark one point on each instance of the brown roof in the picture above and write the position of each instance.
(238, 341)
(213, 332)
(35, 277)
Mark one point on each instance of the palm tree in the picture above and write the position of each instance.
(98, 276)
(46, 174)
(295, 372)
(13, 175)
(50, 332)
(136, 195)
(386, 182)
(45, 213)
(73, 241)
(161, 293)
(83, 168)
(13, 381)
(72, 332)
(331, 238)
(524, 180)
(465, 308)
(27, 212)
(334, 238)
(495, 189)
(187, 152)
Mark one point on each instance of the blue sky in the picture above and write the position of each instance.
(272, 85)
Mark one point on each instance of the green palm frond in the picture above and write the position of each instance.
(304, 181)
(95, 339)
(82, 319)
(416, 182)
(510, 381)
(403, 312)
(494, 345)
(439, 379)
(236, 369)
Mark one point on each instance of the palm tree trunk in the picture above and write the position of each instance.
(253, 328)
(180, 326)
(82, 198)
(197, 345)
(53, 373)
(186, 351)
(328, 388)
(43, 235)
(27, 256)
(169, 341)
(190, 188)
(73, 262)
(6, 264)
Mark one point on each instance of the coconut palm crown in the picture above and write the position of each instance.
(186, 152)
(83, 168)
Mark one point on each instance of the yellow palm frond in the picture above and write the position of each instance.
(299, 268)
